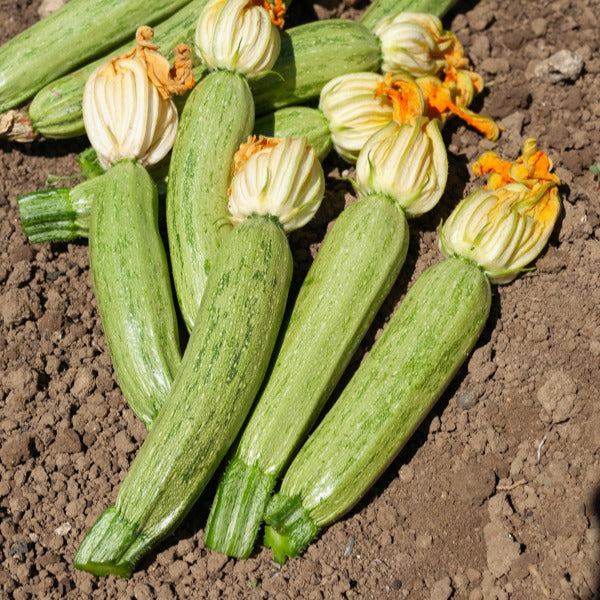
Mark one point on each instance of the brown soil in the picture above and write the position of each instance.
(496, 496)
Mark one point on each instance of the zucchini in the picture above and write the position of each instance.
(67, 38)
(490, 236)
(132, 286)
(345, 286)
(408, 368)
(223, 366)
(55, 111)
(311, 55)
(353, 272)
(63, 214)
(217, 118)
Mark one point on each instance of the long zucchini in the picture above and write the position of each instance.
(306, 59)
(67, 38)
(349, 279)
(490, 237)
(405, 372)
(132, 286)
(222, 368)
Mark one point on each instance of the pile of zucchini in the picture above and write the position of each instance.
(248, 382)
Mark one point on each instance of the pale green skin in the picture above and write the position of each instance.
(68, 37)
(352, 274)
(223, 366)
(217, 118)
(133, 288)
(423, 345)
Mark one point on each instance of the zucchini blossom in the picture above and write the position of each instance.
(407, 162)
(278, 177)
(128, 111)
(504, 226)
(240, 35)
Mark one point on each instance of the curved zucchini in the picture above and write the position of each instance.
(217, 118)
(222, 369)
(68, 37)
(406, 371)
(132, 286)
(353, 272)
(55, 111)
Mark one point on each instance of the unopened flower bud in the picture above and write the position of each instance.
(127, 107)
(239, 35)
(407, 162)
(415, 43)
(278, 177)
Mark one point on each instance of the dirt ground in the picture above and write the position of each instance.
(496, 496)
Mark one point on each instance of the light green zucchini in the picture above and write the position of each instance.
(132, 286)
(67, 38)
(217, 118)
(406, 371)
(55, 112)
(222, 369)
(310, 56)
(352, 274)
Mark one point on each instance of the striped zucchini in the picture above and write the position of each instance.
(132, 286)
(55, 111)
(223, 366)
(217, 118)
(311, 55)
(408, 368)
(345, 286)
(68, 37)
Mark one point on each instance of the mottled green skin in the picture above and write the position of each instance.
(56, 109)
(132, 287)
(222, 369)
(310, 56)
(297, 122)
(404, 374)
(68, 37)
(353, 272)
(379, 9)
(217, 118)
(58, 214)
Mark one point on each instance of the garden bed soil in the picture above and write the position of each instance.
(497, 494)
